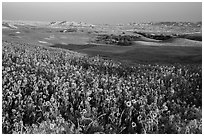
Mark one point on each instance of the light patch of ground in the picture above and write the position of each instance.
(183, 42)
(64, 43)
(142, 38)
(149, 43)
(170, 42)
(4, 27)
(44, 42)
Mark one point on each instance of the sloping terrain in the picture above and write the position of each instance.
(183, 42)
(169, 42)
(61, 82)
(110, 41)
(55, 91)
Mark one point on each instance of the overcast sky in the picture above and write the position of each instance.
(99, 13)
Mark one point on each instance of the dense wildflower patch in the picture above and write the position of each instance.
(47, 90)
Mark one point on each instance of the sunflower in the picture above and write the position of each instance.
(128, 103)
(139, 117)
(134, 124)
(52, 126)
(89, 98)
(154, 115)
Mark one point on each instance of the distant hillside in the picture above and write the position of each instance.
(7, 25)
(197, 24)
(67, 23)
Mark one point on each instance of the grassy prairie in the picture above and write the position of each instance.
(141, 54)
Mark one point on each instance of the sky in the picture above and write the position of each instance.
(103, 12)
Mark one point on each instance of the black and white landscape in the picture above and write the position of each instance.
(75, 77)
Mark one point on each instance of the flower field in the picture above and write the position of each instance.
(47, 90)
